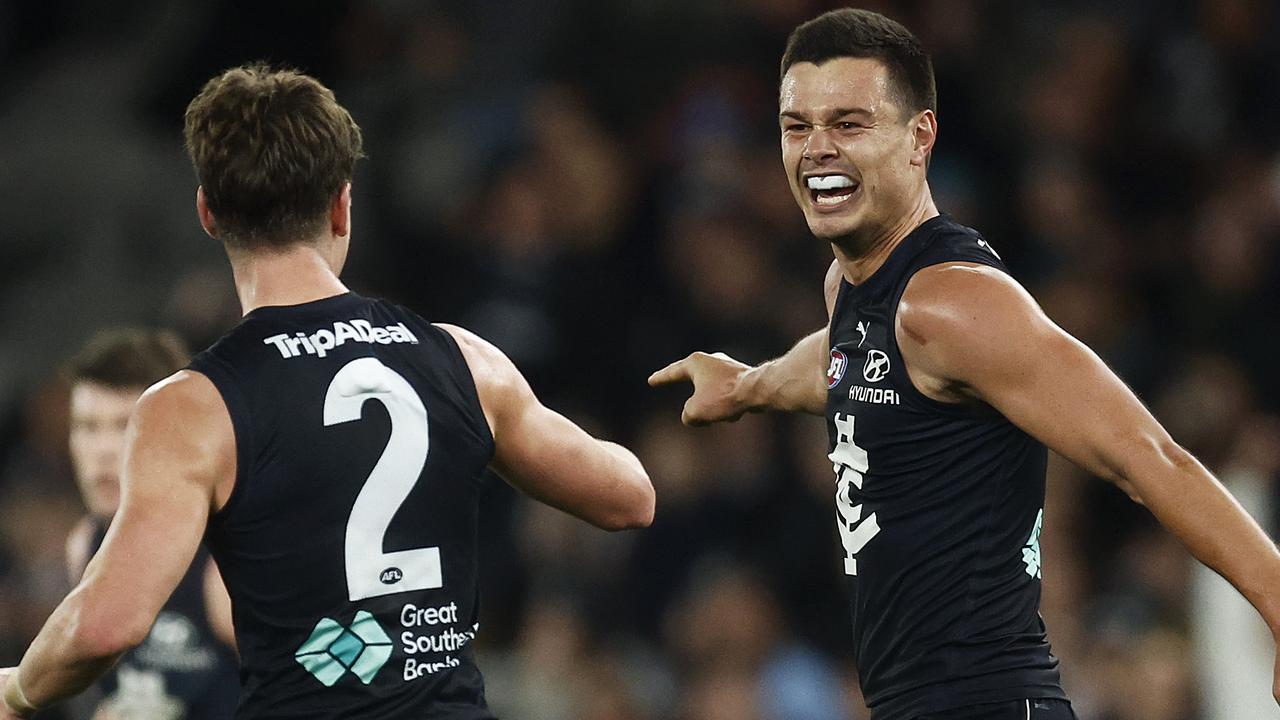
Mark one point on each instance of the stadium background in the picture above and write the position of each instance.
(595, 186)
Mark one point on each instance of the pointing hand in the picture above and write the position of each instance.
(715, 378)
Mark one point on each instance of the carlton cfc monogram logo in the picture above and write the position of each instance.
(876, 366)
(835, 372)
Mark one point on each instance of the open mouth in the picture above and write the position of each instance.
(829, 191)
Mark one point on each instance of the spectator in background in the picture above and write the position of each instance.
(186, 668)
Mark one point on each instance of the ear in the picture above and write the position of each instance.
(340, 213)
(926, 134)
(206, 217)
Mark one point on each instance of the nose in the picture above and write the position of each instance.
(105, 448)
(818, 147)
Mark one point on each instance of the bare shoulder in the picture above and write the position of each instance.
(954, 317)
(488, 364)
(498, 383)
(186, 395)
(182, 426)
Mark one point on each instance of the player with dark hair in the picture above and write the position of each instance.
(186, 668)
(329, 450)
(944, 383)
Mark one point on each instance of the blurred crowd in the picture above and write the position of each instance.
(596, 186)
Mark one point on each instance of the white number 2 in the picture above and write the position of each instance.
(370, 571)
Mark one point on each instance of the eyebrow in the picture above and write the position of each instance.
(833, 115)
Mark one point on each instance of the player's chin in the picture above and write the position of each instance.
(831, 228)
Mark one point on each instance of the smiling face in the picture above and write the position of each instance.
(855, 157)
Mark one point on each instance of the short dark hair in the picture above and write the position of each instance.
(271, 147)
(125, 358)
(857, 33)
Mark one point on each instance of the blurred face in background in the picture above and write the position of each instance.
(854, 156)
(99, 417)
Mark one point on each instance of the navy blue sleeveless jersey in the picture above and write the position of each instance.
(938, 508)
(348, 545)
(181, 671)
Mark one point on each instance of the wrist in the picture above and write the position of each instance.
(15, 700)
(748, 393)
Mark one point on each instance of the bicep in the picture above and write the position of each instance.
(539, 451)
(546, 456)
(1060, 392)
(978, 330)
(148, 549)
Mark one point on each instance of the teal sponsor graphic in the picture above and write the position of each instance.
(332, 649)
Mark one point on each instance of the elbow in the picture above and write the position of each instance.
(1157, 458)
(100, 635)
(638, 509)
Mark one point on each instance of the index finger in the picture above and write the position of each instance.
(675, 372)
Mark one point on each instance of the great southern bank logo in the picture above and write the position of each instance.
(835, 372)
(333, 650)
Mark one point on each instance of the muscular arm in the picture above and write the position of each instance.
(970, 332)
(178, 445)
(546, 456)
(724, 389)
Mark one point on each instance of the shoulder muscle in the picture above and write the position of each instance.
(961, 322)
(181, 425)
(498, 382)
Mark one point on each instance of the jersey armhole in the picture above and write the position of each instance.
(241, 426)
(467, 383)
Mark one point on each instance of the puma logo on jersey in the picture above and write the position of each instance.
(320, 342)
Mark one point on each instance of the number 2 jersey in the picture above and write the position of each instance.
(938, 508)
(348, 544)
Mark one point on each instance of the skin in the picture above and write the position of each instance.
(180, 467)
(99, 418)
(967, 333)
(99, 422)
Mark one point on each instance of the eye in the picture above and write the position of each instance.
(795, 127)
(849, 125)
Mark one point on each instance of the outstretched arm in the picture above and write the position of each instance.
(545, 455)
(972, 332)
(178, 445)
(724, 389)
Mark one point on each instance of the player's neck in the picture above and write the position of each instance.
(299, 274)
(863, 259)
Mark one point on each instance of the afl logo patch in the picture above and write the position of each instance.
(835, 372)
(391, 576)
(876, 366)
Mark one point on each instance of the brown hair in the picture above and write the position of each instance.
(271, 147)
(857, 33)
(123, 358)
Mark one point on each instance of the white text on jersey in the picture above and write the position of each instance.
(320, 342)
(876, 396)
